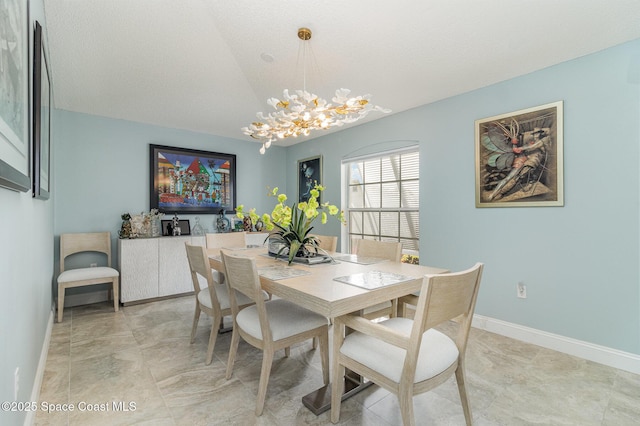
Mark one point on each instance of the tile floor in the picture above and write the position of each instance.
(141, 355)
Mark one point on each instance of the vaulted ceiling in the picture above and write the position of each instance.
(210, 65)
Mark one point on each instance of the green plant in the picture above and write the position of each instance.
(291, 225)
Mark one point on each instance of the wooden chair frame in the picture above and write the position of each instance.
(71, 244)
(443, 297)
(243, 277)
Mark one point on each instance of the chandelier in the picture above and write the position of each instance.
(300, 112)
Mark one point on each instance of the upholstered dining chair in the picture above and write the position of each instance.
(213, 299)
(327, 243)
(388, 250)
(269, 326)
(409, 357)
(71, 244)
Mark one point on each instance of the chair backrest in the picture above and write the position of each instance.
(84, 242)
(226, 240)
(199, 265)
(242, 276)
(446, 297)
(327, 242)
(381, 249)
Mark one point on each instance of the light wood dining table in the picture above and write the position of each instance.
(317, 290)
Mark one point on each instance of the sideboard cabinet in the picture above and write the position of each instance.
(154, 267)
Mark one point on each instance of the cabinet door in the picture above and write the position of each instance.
(174, 276)
(138, 269)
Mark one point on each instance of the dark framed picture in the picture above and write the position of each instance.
(41, 118)
(192, 181)
(167, 227)
(519, 161)
(309, 174)
(15, 163)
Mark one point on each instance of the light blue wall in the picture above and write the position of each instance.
(26, 271)
(580, 262)
(103, 171)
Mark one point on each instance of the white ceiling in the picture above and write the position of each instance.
(196, 64)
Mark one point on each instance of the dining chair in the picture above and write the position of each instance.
(235, 240)
(268, 325)
(71, 244)
(328, 243)
(408, 357)
(388, 250)
(213, 299)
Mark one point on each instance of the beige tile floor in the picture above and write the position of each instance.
(142, 356)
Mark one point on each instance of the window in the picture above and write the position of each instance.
(383, 194)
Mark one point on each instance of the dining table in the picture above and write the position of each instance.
(342, 284)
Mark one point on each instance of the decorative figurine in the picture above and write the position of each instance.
(176, 225)
(222, 222)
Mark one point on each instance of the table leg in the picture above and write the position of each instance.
(319, 400)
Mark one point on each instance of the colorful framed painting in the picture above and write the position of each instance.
(192, 181)
(14, 96)
(41, 118)
(309, 173)
(519, 159)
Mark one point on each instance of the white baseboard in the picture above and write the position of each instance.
(596, 353)
(42, 363)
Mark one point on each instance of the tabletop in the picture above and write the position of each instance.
(316, 288)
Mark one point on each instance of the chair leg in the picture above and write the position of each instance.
(314, 343)
(394, 308)
(462, 389)
(60, 302)
(267, 360)
(405, 397)
(213, 335)
(287, 351)
(233, 348)
(196, 318)
(116, 295)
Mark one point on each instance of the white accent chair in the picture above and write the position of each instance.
(384, 250)
(86, 242)
(213, 299)
(269, 326)
(405, 356)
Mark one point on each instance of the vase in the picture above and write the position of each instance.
(155, 227)
(246, 224)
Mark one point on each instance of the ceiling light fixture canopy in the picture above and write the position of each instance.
(300, 112)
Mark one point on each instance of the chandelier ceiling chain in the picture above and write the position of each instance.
(301, 112)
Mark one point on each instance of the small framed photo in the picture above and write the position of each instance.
(519, 160)
(167, 227)
(309, 174)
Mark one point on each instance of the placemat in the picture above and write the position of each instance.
(372, 279)
(278, 272)
(361, 260)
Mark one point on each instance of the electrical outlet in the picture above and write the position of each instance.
(521, 290)
(16, 383)
(94, 265)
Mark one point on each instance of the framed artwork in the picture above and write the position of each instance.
(41, 118)
(192, 181)
(14, 95)
(309, 173)
(519, 158)
(167, 227)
